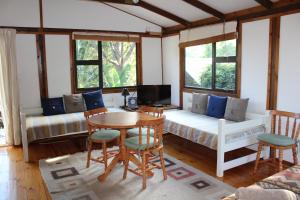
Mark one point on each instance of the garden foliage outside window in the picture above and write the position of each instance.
(211, 66)
(105, 64)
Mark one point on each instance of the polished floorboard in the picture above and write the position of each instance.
(20, 180)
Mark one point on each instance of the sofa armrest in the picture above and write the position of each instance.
(24, 136)
(255, 120)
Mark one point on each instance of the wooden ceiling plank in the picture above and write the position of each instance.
(265, 3)
(205, 8)
(246, 14)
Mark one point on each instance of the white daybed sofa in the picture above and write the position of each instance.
(219, 134)
(35, 126)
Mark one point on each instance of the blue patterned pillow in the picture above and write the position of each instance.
(216, 106)
(93, 100)
(53, 106)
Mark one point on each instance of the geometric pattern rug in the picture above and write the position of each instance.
(67, 177)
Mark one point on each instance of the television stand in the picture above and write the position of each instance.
(164, 107)
(158, 105)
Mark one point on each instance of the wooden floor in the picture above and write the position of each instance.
(20, 180)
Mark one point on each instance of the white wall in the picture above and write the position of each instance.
(23, 13)
(207, 31)
(91, 15)
(171, 66)
(28, 71)
(289, 68)
(289, 65)
(254, 72)
(151, 61)
(58, 65)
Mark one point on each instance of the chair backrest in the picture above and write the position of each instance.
(154, 111)
(285, 123)
(93, 112)
(157, 125)
(90, 113)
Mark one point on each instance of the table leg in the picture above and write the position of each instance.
(113, 163)
(123, 133)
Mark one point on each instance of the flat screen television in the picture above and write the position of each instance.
(154, 95)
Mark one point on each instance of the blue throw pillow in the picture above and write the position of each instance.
(53, 106)
(93, 100)
(216, 106)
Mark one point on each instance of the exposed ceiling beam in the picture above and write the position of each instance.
(251, 13)
(151, 8)
(162, 12)
(265, 3)
(205, 8)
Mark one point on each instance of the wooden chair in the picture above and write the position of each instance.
(280, 141)
(102, 136)
(154, 111)
(142, 145)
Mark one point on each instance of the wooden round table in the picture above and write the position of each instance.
(121, 121)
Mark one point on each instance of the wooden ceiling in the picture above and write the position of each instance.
(176, 15)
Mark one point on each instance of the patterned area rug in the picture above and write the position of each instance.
(67, 177)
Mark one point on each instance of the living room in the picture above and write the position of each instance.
(220, 75)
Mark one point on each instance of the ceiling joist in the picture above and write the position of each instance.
(265, 3)
(162, 12)
(151, 8)
(205, 8)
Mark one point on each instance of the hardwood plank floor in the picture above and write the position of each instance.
(20, 180)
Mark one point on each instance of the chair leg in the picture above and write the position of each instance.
(90, 145)
(162, 163)
(144, 169)
(258, 156)
(104, 150)
(295, 155)
(280, 159)
(126, 163)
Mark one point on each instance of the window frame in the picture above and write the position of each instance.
(99, 62)
(215, 60)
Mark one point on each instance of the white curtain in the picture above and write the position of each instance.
(9, 88)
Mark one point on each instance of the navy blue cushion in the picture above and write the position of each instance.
(93, 100)
(216, 106)
(53, 106)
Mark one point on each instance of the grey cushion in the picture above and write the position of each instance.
(74, 103)
(199, 103)
(236, 109)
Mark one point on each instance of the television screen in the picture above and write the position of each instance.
(154, 95)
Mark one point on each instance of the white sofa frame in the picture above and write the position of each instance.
(228, 129)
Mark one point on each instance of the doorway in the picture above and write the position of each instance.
(2, 133)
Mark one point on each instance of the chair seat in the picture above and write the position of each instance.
(278, 140)
(135, 132)
(133, 143)
(105, 135)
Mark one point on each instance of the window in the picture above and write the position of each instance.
(105, 64)
(211, 66)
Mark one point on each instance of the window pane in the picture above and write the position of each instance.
(198, 66)
(86, 50)
(226, 48)
(87, 76)
(225, 76)
(119, 64)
